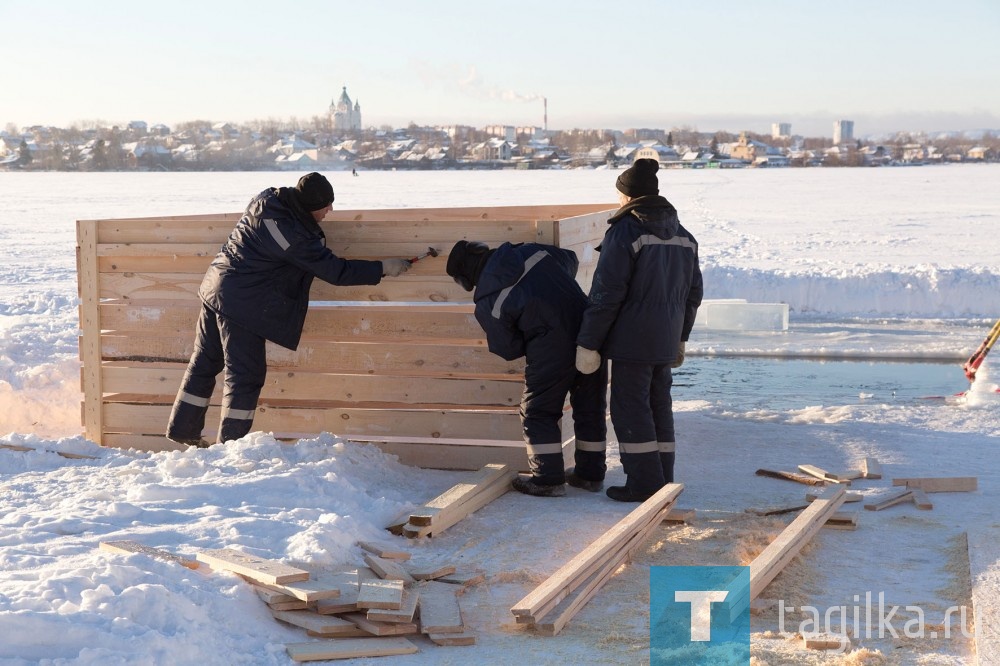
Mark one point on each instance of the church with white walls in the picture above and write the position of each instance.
(346, 116)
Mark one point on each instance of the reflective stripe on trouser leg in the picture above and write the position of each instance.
(589, 398)
(246, 369)
(546, 463)
(642, 465)
(667, 456)
(187, 417)
(590, 460)
(545, 387)
(632, 417)
(661, 403)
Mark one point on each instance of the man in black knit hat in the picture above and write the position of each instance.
(645, 294)
(257, 289)
(529, 304)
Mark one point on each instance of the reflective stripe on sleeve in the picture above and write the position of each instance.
(505, 292)
(667, 447)
(650, 239)
(276, 234)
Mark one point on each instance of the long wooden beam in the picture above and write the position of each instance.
(769, 563)
(610, 542)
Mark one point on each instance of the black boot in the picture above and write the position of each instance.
(624, 494)
(527, 485)
(589, 485)
(197, 443)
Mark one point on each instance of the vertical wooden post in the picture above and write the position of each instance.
(547, 232)
(90, 329)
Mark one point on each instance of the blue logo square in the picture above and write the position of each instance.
(699, 615)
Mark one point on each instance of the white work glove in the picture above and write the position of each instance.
(679, 361)
(394, 267)
(587, 360)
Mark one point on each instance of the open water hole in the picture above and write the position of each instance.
(744, 383)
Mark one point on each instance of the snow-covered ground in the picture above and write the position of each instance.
(874, 264)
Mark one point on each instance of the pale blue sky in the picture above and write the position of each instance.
(724, 64)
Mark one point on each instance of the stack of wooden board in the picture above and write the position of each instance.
(456, 503)
(552, 604)
(359, 610)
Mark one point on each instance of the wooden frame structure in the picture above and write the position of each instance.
(402, 364)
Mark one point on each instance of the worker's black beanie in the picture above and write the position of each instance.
(315, 191)
(466, 262)
(639, 179)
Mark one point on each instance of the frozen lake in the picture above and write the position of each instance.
(874, 264)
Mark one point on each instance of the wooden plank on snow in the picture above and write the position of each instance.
(385, 552)
(261, 570)
(404, 613)
(921, 500)
(348, 582)
(464, 638)
(465, 578)
(848, 498)
(779, 510)
(323, 625)
(387, 569)
(769, 563)
(891, 498)
(820, 473)
(319, 586)
(457, 494)
(378, 593)
(871, 469)
(790, 476)
(279, 602)
(551, 622)
(599, 550)
(440, 612)
(454, 514)
(953, 484)
(381, 628)
(431, 571)
(349, 648)
(131, 547)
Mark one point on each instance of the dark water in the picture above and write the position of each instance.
(767, 383)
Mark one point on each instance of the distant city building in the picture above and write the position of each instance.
(505, 132)
(346, 116)
(843, 131)
(781, 130)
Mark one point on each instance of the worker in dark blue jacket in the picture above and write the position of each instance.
(529, 304)
(257, 289)
(645, 294)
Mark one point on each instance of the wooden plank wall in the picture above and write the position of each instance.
(404, 360)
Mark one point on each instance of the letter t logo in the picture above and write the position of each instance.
(701, 610)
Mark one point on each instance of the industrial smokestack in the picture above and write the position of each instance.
(545, 118)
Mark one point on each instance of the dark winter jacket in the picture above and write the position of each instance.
(647, 285)
(261, 277)
(529, 303)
